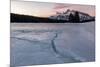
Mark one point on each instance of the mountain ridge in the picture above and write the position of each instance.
(65, 15)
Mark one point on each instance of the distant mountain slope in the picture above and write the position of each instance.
(67, 15)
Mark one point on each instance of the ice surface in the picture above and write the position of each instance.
(51, 43)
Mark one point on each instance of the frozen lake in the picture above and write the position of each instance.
(52, 43)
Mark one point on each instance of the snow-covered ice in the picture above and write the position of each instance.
(52, 43)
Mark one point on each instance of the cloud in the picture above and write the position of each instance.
(61, 6)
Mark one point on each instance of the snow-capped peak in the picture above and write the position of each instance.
(65, 15)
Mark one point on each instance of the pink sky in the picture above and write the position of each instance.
(43, 9)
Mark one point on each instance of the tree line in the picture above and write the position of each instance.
(74, 17)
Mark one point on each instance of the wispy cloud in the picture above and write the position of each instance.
(61, 6)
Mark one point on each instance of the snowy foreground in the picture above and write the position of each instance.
(52, 43)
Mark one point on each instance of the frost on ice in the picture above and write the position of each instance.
(33, 44)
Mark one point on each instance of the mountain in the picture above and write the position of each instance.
(66, 16)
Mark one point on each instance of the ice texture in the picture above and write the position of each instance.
(52, 43)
